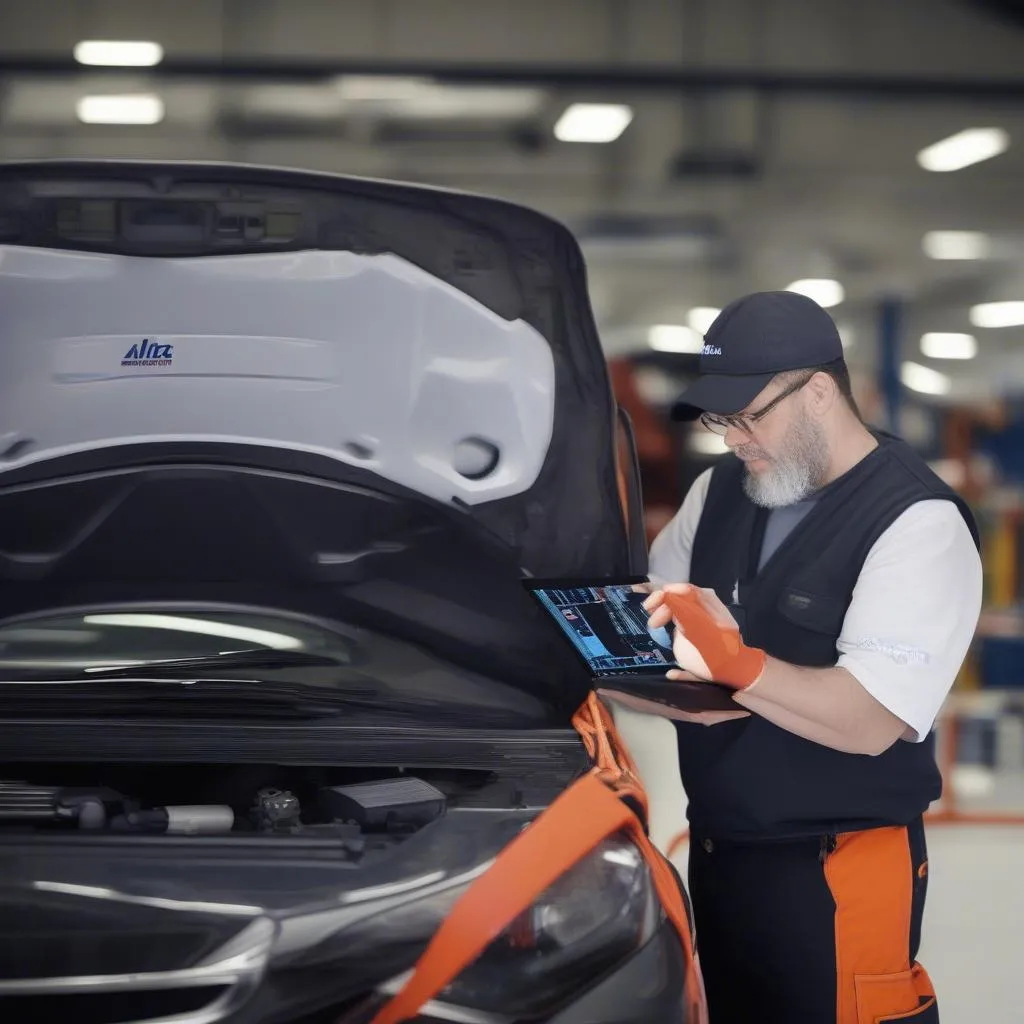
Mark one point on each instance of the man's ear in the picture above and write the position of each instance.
(822, 392)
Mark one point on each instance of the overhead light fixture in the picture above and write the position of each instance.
(129, 109)
(970, 146)
(111, 53)
(425, 99)
(203, 627)
(593, 122)
(956, 245)
(701, 318)
(675, 338)
(998, 314)
(824, 291)
(370, 88)
(938, 345)
(924, 379)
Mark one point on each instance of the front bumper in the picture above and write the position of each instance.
(649, 988)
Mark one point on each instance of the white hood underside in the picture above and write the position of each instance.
(366, 359)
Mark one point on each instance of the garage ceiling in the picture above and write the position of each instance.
(770, 141)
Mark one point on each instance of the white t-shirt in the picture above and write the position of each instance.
(914, 609)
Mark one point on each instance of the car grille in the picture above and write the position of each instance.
(202, 994)
(112, 1007)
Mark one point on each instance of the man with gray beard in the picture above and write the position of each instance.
(833, 581)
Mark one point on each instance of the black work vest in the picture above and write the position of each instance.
(750, 779)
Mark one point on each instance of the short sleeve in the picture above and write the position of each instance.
(669, 559)
(914, 612)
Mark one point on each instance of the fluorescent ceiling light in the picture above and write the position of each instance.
(593, 122)
(370, 88)
(924, 379)
(937, 345)
(292, 101)
(118, 53)
(956, 245)
(998, 314)
(204, 627)
(131, 109)
(701, 318)
(450, 102)
(426, 99)
(823, 291)
(674, 338)
(970, 146)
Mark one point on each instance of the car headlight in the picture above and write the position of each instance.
(593, 918)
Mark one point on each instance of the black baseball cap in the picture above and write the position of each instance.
(749, 342)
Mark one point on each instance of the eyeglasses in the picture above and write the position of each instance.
(747, 421)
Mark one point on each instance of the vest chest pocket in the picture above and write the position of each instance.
(812, 610)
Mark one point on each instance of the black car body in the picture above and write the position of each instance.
(276, 452)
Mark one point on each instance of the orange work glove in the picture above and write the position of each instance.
(720, 647)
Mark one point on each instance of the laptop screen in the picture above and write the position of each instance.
(608, 626)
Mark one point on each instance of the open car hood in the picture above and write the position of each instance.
(338, 396)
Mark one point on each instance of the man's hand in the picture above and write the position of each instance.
(707, 641)
(824, 705)
(661, 615)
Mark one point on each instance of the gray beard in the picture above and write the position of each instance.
(796, 473)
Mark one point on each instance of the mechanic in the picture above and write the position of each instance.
(827, 575)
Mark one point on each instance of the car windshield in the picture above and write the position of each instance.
(113, 645)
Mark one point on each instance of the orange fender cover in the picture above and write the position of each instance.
(590, 810)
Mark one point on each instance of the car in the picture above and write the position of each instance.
(283, 735)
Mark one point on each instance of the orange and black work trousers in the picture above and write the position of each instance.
(813, 931)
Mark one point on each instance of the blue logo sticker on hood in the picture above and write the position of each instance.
(149, 353)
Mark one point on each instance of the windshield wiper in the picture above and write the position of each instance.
(255, 658)
(234, 698)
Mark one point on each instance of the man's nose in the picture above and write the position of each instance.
(735, 436)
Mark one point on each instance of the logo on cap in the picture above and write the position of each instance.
(711, 350)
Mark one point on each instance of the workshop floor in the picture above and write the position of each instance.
(973, 944)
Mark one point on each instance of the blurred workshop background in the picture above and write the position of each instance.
(868, 153)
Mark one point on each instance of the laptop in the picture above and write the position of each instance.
(627, 660)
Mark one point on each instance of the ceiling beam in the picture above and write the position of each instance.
(606, 77)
